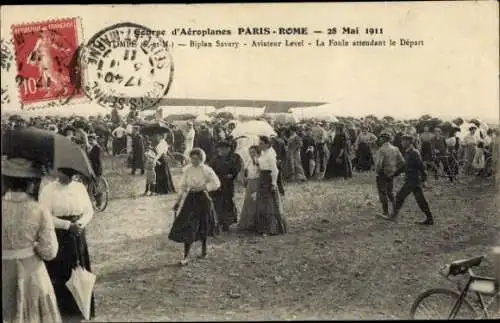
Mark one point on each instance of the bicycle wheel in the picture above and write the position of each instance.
(432, 170)
(437, 304)
(101, 196)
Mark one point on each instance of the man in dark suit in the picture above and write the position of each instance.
(415, 176)
(94, 152)
(95, 155)
(279, 147)
(137, 151)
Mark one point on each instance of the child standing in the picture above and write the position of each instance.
(150, 163)
(479, 161)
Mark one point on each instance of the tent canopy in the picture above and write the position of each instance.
(178, 110)
(325, 112)
(243, 111)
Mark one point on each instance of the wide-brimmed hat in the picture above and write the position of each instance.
(408, 136)
(19, 167)
(385, 134)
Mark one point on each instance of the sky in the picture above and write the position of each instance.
(455, 73)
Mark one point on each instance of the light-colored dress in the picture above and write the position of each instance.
(189, 142)
(150, 164)
(249, 209)
(28, 238)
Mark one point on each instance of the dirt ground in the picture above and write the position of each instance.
(338, 260)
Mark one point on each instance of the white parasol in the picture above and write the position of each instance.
(464, 131)
(81, 284)
(202, 118)
(253, 128)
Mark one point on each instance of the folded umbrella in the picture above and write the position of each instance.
(46, 148)
(81, 284)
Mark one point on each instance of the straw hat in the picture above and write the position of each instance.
(19, 167)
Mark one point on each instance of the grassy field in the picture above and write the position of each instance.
(338, 261)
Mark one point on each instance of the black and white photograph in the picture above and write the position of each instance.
(250, 162)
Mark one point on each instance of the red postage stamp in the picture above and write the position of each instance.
(46, 59)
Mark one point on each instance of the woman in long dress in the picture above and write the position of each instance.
(339, 163)
(249, 210)
(364, 145)
(469, 150)
(269, 218)
(195, 219)
(164, 182)
(72, 210)
(426, 146)
(227, 166)
(28, 238)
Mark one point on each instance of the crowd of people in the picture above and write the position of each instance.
(53, 219)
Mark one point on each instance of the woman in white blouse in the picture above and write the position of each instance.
(164, 182)
(195, 219)
(249, 209)
(72, 210)
(269, 218)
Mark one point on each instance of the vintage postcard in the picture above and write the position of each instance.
(279, 161)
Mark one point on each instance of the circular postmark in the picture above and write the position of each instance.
(126, 66)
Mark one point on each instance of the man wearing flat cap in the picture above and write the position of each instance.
(415, 175)
(388, 160)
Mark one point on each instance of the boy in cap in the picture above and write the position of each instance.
(388, 160)
(415, 175)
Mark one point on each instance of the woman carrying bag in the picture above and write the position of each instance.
(72, 211)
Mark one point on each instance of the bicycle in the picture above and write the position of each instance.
(99, 193)
(461, 308)
(444, 166)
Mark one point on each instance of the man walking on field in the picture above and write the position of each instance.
(414, 177)
(388, 161)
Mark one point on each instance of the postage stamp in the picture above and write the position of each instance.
(126, 66)
(44, 53)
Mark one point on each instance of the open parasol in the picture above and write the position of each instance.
(156, 127)
(46, 148)
(253, 128)
(81, 284)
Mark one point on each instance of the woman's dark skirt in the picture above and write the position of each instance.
(164, 182)
(269, 218)
(335, 169)
(196, 219)
(364, 158)
(72, 250)
(426, 151)
(119, 144)
(225, 208)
